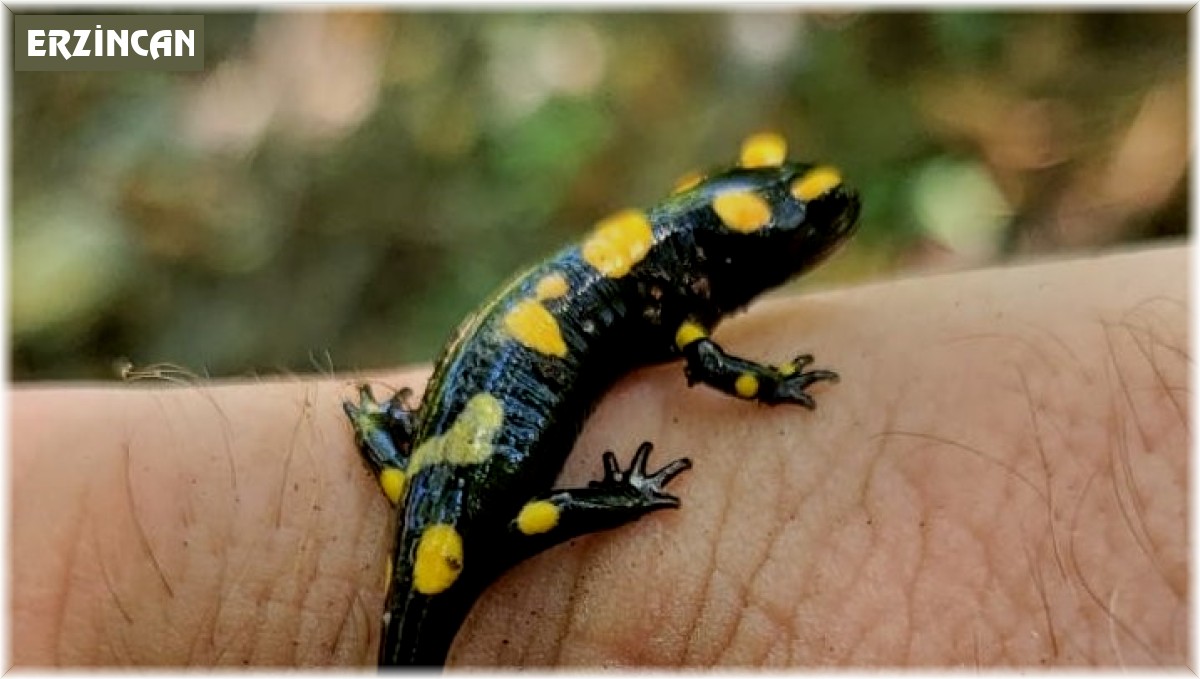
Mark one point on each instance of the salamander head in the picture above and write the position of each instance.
(755, 227)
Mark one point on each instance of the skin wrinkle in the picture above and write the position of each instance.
(858, 566)
(728, 625)
(1045, 495)
(876, 468)
(813, 487)
(352, 623)
(308, 568)
(570, 611)
(745, 593)
(710, 571)
(346, 592)
(787, 526)
(968, 448)
(928, 564)
(780, 524)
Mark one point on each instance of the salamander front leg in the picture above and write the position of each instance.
(384, 432)
(707, 362)
(620, 497)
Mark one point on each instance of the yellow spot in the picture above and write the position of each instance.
(742, 211)
(816, 182)
(765, 149)
(689, 331)
(787, 369)
(393, 480)
(618, 243)
(533, 325)
(439, 559)
(467, 441)
(688, 182)
(537, 517)
(746, 385)
(551, 286)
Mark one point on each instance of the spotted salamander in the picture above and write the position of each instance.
(471, 470)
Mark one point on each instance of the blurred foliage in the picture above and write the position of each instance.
(336, 190)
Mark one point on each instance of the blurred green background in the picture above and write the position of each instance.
(336, 190)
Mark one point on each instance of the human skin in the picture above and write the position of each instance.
(999, 479)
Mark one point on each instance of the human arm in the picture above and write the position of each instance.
(998, 479)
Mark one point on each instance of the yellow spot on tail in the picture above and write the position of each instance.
(551, 286)
(746, 385)
(765, 149)
(468, 441)
(439, 559)
(816, 182)
(787, 369)
(533, 325)
(393, 481)
(537, 517)
(742, 211)
(618, 243)
(688, 182)
(689, 331)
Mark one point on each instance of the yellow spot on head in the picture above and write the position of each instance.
(688, 182)
(469, 439)
(816, 182)
(618, 243)
(689, 331)
(787, 369)
(551, 286)
(746, 385)
(765, 149)
(537, 517)
(393, 480)
(534, 326)
(439, 559)
(743, 211)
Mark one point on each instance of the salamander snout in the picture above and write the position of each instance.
(830, 207)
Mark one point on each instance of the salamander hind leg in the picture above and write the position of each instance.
(620, 497)
(384, 432)
(708, 363)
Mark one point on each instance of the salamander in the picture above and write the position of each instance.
(471, 470)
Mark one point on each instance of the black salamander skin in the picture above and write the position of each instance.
(471, 470)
